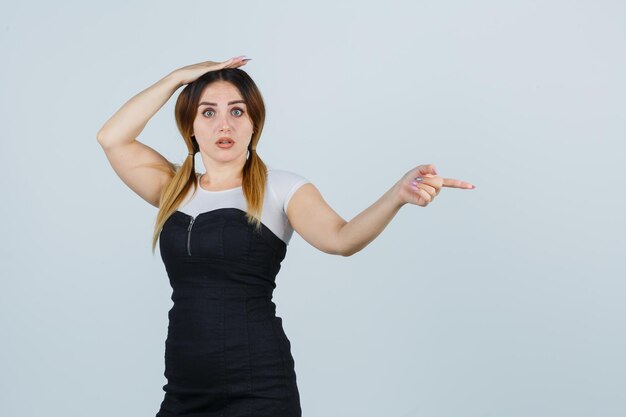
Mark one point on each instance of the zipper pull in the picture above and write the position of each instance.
(191, 224)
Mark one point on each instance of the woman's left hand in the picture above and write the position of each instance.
(421, 185)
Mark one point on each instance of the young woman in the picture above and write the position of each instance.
(223, 235)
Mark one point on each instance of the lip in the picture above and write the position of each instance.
(224, 138)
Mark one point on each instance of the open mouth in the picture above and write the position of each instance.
(225, 143)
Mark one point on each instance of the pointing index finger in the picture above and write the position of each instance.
(454, 183)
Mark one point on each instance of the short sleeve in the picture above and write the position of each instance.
(284, 184)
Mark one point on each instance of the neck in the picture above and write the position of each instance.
(219, 174)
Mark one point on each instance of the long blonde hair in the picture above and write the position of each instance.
(184, 176)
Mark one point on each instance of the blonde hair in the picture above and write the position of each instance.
(183, 177)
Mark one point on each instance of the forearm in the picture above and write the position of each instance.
(367, 225)
(128, 122)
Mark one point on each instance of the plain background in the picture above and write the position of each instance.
(506, 300)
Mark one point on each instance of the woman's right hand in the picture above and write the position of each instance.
(190, 73)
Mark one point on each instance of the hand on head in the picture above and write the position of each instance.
(190, 73)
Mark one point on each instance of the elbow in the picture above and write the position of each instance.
(344, 248)
(337, 250)
(100, 137)
(103, 140)
(346, 251)
(103, 136)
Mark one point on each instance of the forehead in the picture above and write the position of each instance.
(220, 92)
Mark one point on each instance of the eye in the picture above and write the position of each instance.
(207, 110)
(239, 110)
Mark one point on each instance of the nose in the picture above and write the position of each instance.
(224, 123)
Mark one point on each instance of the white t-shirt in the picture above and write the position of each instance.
(280, 186)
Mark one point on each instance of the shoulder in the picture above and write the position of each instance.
(284, 183)
(282, 176)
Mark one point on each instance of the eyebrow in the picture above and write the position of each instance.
(215, 104)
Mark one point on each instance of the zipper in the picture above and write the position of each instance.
(189, 236)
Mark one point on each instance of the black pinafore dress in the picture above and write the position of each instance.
(226, 352)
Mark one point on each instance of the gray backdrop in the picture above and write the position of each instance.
(506, 300)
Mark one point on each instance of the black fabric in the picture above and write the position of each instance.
(226, 352)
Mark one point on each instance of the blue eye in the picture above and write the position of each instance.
(239, 110)
(205, 112)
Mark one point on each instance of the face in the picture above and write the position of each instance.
(222, 114)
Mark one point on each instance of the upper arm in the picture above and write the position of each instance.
(129, 162)
(315, 220)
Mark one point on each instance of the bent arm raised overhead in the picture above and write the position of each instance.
(144, 170)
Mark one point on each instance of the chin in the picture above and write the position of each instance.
(228, 158)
